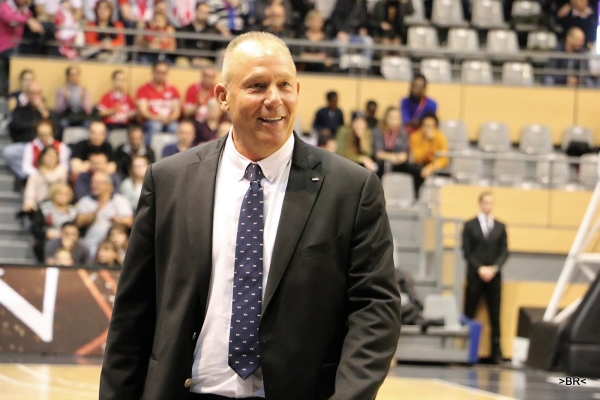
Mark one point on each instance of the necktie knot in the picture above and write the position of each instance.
(253, 172)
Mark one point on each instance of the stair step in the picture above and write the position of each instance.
(7, 181)
(16, 249)
(7, 214)
(14, 230)
(18, 261)
(10, 197)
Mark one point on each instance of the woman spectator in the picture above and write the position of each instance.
(51, 215)
(314, 58)
(49, 172)
(355, 142)
(107, 256)
(161, 39)
(119, 235)
(19, 97)
(207, 129)
(73, 101)
(104, 46)
(387, 20)
(131, 187)
(425, 142)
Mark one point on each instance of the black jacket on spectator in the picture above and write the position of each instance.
(24, 121)
(380, 14)
(587, 25)
(123, 159)
(198, 43)
(348, 16)
(570, 66)
(83, 149)
(80, 253)
(327, 118)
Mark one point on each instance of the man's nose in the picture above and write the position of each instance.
(272, 97)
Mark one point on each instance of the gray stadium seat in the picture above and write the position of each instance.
(160, 141)
(462, 40)
(526, 15)
(3, 108)
(554, 172)
(396, 68)
(448, 13)
(74, 134)
(422, 38)
(509, 170)
(541, 40)
(517, 74)
(456, 133)
(117, 137)
(494, 137)
(436, 69)
(487, 14)
(354, 61)
(467, 167)
(577, 134)
(398, 189)
(417, 17)
(536, 139)
(588, 170)
(502, 41)
(476, 72)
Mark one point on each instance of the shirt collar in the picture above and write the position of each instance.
(586, 13)
(482, 217)
(271, 166)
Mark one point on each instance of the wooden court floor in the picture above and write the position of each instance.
(80, 382)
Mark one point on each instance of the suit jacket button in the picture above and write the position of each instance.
(195, 335)
(188, 383)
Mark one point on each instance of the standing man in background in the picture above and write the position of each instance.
(255, 230)
(485, 250)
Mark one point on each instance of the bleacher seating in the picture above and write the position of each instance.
(462, 40)
(398, 188)
(467, 167)
(488, 14)
(456, 134)
(517, 74)
(588, 170)
(476, 72)
(554, 172)
(117, 137)
(502, 41)
(74, 134)
(436, 69)
(536, 139)
(418, 16)
(509, 169)
(577, 134)
(448, 13)
(422, 37)
(396, 68)
(494, 137)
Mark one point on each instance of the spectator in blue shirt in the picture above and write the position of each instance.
(185, 137)
(416, 104)
(566, 71)
(329, 118)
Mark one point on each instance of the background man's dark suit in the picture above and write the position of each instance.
(479, 250)
(331, 306)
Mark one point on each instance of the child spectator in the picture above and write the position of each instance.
(107, 256)
(63, 258)
(132, 186)
(49, 172)
(119, 235)
(104, 46)
(116, 107)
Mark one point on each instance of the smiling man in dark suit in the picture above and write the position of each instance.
(255, 230)
(485, 249)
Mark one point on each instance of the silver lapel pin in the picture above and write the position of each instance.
(315, 179)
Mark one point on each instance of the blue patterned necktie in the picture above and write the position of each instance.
(244, 357)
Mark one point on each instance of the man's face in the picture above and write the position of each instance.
(119, 82)
(136, 138)
(101, 184)
(73, 76)
(186, 134)
(98, 162)
(576, 40)
(262, 95)
(202, 12)
(44, 133)
(97, 133)
(26, 80)
(417, 88)
(277, 15)
(34, 92)
(62, 196)
(159, 74)
(333, 101)
(486, 205)
(70, 233)
(208, 78)
(371, 110)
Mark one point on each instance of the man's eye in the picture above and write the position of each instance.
(257, 85)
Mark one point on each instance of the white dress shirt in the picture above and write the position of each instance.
(210, 371)
(486, 222)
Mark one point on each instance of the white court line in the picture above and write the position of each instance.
(474, 390)
(45, 377)
(37, 388)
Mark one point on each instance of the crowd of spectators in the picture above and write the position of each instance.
(405, 140)
(89, 188)
(78, 26)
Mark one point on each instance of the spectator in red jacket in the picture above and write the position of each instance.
(104, 46)
(198, 94)
(116, 107)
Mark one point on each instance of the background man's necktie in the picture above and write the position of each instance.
(244, 356)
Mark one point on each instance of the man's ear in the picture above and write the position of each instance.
(221, 95)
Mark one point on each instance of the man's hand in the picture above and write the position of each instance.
(386, 26)
(487, 272)
(400, 158)
(35, 26)
(564, 11)
(426, 171)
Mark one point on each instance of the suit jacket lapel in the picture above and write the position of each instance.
(303, 186)
(199, 200)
